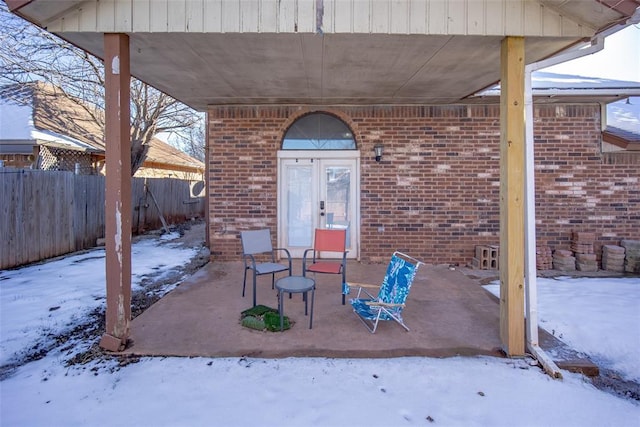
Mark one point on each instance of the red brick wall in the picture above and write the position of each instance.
(576, 188)
(436, 192)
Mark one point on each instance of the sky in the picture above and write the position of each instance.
(619, 60)
(600, 317)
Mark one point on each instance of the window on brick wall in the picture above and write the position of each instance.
(319, 131)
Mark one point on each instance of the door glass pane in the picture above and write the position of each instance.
(299, 206)
(338, 183)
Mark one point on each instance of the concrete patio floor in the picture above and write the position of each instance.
(448, 312)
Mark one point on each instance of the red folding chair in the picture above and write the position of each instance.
(327, 240)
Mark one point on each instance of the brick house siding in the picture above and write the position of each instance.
(435, 194)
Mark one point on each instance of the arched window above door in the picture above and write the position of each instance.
(318, 131)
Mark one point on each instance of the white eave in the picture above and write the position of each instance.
(325, 52)
(561, 88)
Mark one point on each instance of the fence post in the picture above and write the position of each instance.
(77, 171)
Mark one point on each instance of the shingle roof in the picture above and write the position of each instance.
(622, 138)
(161, 152)
(53, 112)
(624, 134)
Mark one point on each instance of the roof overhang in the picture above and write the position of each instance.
(562, 96)
(17, 146)
(64, 146)
(621, 138)
(550, 88)
(322, 63)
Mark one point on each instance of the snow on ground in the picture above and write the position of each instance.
(49, 298)
(309, 392)
(597, 316)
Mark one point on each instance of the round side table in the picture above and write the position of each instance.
(295, 285)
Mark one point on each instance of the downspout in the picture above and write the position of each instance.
(531, 287)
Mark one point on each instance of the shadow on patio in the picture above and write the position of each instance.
(448, 313)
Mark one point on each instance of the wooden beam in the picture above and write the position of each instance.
(512, 196)
(624, 7)
(118, 191)
(547, 363)
(14, 5)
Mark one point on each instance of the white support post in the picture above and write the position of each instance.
(531, 291)
(531, 284)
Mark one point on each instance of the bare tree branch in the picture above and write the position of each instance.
(29, 54)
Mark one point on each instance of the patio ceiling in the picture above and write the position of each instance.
(201, 68)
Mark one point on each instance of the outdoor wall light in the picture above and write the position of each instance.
(378, 150)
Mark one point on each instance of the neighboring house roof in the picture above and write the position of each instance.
(622, 97)
(622, 138)
(563, 88)
(25, 122)
(164, 156)
(37, 114)
(623, 134)
(40, 107)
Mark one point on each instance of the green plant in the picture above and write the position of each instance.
(257, 311)
(262, 317)
(253, 323)
(272, 321)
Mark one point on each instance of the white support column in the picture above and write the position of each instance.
(531, 285)
(531, 297)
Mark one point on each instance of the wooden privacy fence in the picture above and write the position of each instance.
(50, 213)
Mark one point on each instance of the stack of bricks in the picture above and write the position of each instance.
(582, 243)
(632, 255)
(486, 257)
(564, 260)
(586, 262)
(544, 259)
(582, 246)
(613, 258)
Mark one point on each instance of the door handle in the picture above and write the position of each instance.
(322, 208)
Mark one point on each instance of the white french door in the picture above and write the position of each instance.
(317, 189)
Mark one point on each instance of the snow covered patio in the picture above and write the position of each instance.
(448, 313)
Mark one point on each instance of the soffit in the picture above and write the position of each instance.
(219, 69)
(203, 69)
(41, 12)
(586, 12)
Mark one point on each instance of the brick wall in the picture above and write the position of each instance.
(435, 194)
(577, 188)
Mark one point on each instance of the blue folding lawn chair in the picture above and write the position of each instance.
(392, 294)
